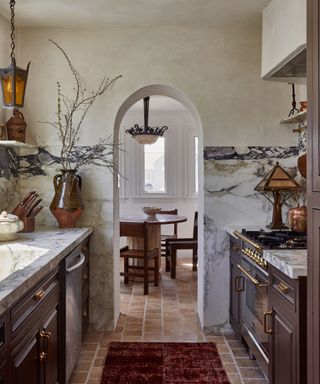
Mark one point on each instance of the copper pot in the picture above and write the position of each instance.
(297, 219)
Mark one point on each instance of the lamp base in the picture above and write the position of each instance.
(277, 226)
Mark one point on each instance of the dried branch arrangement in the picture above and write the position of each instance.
(71, 112)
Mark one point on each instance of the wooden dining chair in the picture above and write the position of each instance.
(139, 230)
(173, 245)
(165, 237)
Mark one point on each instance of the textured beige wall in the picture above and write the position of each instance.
(219, 70)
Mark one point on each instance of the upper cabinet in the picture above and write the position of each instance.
(284, 38)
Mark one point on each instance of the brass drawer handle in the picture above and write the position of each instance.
(39, 295)
(251, 278)
(43, 356)
(236, 284)
(45, 335)
(265, 315)
(283, 287)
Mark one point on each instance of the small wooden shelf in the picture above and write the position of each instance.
(298, 118)
(13, 143)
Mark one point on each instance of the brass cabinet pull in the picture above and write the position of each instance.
(283, 287)
(236, 284)
(84, 314)
(39, 295)
(251, 278)
(265, 315)
(43, 356)
(45, 335)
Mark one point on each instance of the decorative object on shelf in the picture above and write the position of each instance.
(67, 204)
(294, 108)
(146, 134)
(151, 211)
(71, 112)
(282, 186)
(13, 78)
(297, 219)
(10, 225)
(3, 132)
(16, 127)
(27, 210)
(303, 106)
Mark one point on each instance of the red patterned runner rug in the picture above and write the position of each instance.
(163, 363)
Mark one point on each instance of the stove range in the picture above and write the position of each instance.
(254, 242)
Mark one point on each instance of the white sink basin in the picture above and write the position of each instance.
(17, 256)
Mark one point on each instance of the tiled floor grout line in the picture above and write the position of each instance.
(93, 361)
(234, 359)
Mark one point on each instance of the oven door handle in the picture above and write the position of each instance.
(244, 238)
(251, 278)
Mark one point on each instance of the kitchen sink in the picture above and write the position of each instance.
(14, 257)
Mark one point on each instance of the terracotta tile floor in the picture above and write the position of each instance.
(168, 313)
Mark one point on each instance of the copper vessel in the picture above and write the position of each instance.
(297, 219)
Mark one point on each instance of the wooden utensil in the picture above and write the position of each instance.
(33, 206)
(302, 165)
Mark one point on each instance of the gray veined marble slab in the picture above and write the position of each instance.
(52, 246)
(292, 262)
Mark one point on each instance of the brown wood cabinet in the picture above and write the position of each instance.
(35, 341)
(287, 359)
(32, 334)
(236, 284)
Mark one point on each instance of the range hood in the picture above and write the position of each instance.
(293, 66)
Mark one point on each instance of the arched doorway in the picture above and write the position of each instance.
(162, 90)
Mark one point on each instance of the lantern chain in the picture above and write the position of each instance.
(13, 35)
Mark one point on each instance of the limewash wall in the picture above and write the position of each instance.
(219, 71)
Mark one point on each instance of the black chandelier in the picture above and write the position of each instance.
(146, 134)
(13, 78)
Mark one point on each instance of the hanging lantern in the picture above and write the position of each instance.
(13, 78)
(146, 134)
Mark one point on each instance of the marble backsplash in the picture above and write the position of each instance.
(9, 179)
(230, 175)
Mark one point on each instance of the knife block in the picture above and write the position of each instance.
(29, 224)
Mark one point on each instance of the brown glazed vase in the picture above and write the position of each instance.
(67, 204)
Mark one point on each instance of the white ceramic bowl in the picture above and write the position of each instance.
(151, 211)
(9, 226)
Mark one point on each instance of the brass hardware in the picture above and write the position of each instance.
(84, 249)
(85, 277)
(45, 335)
(265, 315)
(240, 236)
(84, 314)
(39, 295)
(236, 285)
(283, 287)
(43, 356)
(254, 280)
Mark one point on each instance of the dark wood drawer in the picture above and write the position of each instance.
(285, 289)
(33, 299)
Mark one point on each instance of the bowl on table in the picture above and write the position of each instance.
(151, 211)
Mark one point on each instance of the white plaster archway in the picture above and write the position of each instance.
(162, 90)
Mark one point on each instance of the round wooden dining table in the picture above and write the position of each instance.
(154, 229)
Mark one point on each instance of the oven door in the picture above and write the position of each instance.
(254, 305)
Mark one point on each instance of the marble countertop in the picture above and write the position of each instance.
(55, 244)
(292, 262)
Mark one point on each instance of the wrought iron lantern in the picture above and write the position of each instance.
(146, 134)
(13, 78)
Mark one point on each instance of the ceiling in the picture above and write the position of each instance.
(131, 13)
